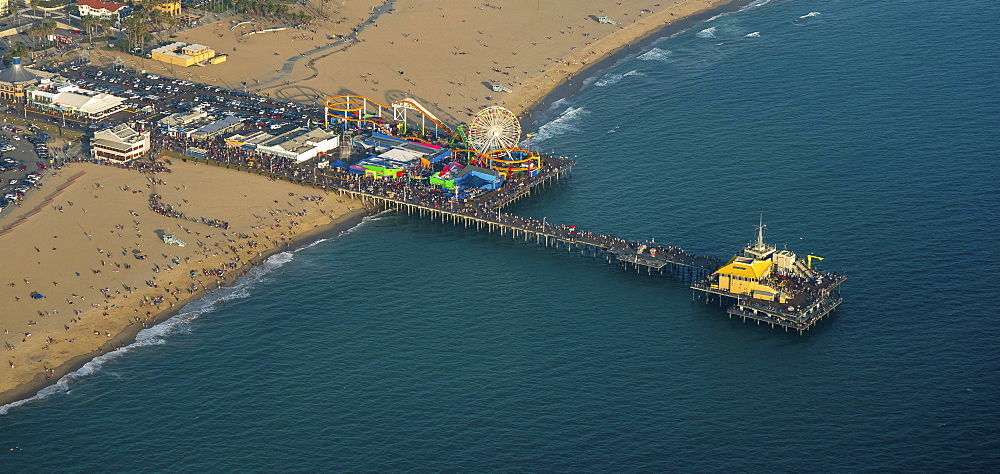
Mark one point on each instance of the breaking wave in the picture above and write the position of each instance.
(755, 34)
(157, 334)
(706, 33)
(615, 78)
(655, 54)
(810, 14)
(754, 4)
(564, 123)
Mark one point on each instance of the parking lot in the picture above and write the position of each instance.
(153, 96)
(22, 165)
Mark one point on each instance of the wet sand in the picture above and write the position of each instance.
(82, 243)
(445, 54)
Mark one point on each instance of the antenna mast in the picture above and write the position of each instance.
(760, 231)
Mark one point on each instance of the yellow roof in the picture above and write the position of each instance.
(752, 270)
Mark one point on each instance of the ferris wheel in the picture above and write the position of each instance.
(494, 128)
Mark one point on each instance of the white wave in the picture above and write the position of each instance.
(754, 4)
(615, 78)
(655, 54)
(706, 33)
(157, 334)
(311, 244)
(565, 122)
(755, 34)
(558, 104)
(810, 14)
(720, 15)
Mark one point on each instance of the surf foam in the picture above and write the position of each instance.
(655, 54)
(706, 33)
(564, 123)
(615, 78)
(754, 4)
(157, 334)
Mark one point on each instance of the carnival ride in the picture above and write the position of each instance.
(360, 109)
(495, 133)
(490, 140)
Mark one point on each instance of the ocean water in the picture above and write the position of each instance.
(866, 132)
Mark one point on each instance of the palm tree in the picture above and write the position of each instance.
(15, 9)
(136, 28)
(89, 22)
(105, 25)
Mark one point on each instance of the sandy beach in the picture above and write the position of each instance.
(93, 250)
(78, 241)
(445, 54)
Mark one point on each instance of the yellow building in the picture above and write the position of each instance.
(170, 8)
(15, 79)
(747, 276)
(182, 54)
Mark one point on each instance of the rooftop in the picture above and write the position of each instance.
(18, 74)
(101, 5)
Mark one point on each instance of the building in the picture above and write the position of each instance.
(180, 123)
(300, 144)
(120, 143)
(4, 7)
(170, 8)
(15, 79)
(183, 54)
(199, 125)
(249, 140)
(748, 276)
(103, 10)
(72, 100)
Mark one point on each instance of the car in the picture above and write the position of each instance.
(22, 167)
(13, 182)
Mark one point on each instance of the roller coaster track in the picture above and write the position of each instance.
(356, 104)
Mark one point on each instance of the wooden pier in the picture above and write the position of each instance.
(800, 319)
(486, 214)
(614, 250)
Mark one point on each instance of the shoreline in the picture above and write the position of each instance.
(571, 84)
(574, 82)
(128, 335)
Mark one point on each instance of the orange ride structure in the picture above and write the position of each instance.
(493, 135)
(360, 109)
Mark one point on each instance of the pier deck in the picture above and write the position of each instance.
(486, 213)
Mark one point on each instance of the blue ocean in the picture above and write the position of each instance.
(864, 131)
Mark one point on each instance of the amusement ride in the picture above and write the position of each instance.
(491, 139)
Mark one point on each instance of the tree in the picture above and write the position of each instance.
(15, 9)
(18, 50)
(136, 28)
(89, 22)
(105, 25)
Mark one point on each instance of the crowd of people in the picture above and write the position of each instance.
(414, 189)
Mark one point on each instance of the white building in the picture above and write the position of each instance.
(72, 100)
(300, 144)
(199, 125)
(120, 143)
(103, 10)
